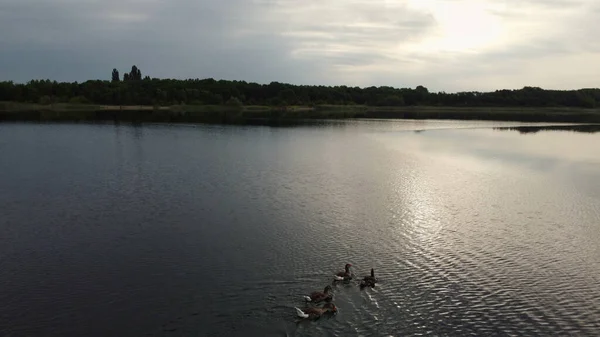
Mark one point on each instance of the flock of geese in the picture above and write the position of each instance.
(313, 312)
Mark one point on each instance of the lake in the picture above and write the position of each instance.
(473, 228)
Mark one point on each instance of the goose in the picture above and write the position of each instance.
(315, 312)
(318, 296)
(369, 281)
(344, 275)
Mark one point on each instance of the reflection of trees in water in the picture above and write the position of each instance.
(589, 128)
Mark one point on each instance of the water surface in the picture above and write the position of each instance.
(474, 228)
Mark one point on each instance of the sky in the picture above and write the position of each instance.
(444, 45)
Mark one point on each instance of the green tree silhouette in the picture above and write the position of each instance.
(115, 75)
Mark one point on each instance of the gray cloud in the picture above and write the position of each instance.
(177, 39)
(357, 42)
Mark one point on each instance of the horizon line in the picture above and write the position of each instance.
(301, 85)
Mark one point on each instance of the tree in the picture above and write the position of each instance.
(115, 75)
(46, 100)
(421, 89)
(125, 77)
(234, 102)
(391, 100)
(288, 96)
(135, 74)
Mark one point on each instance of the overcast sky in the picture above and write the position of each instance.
(445, 45)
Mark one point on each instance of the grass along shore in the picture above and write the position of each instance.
(11, 111)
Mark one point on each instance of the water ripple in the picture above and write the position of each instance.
(167, 231)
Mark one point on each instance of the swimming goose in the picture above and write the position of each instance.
(369, 281)
(314, 312)
(318, 296)
(344, 275)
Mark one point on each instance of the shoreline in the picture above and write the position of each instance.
(224, 114)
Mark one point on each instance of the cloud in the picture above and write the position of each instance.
(448, 45)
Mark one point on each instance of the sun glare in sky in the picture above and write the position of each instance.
(466, 25)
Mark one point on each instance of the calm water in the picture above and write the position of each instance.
(219, 230)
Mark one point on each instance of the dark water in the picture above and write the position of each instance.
(219, 231)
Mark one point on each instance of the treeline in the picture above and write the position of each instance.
(133, 89)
